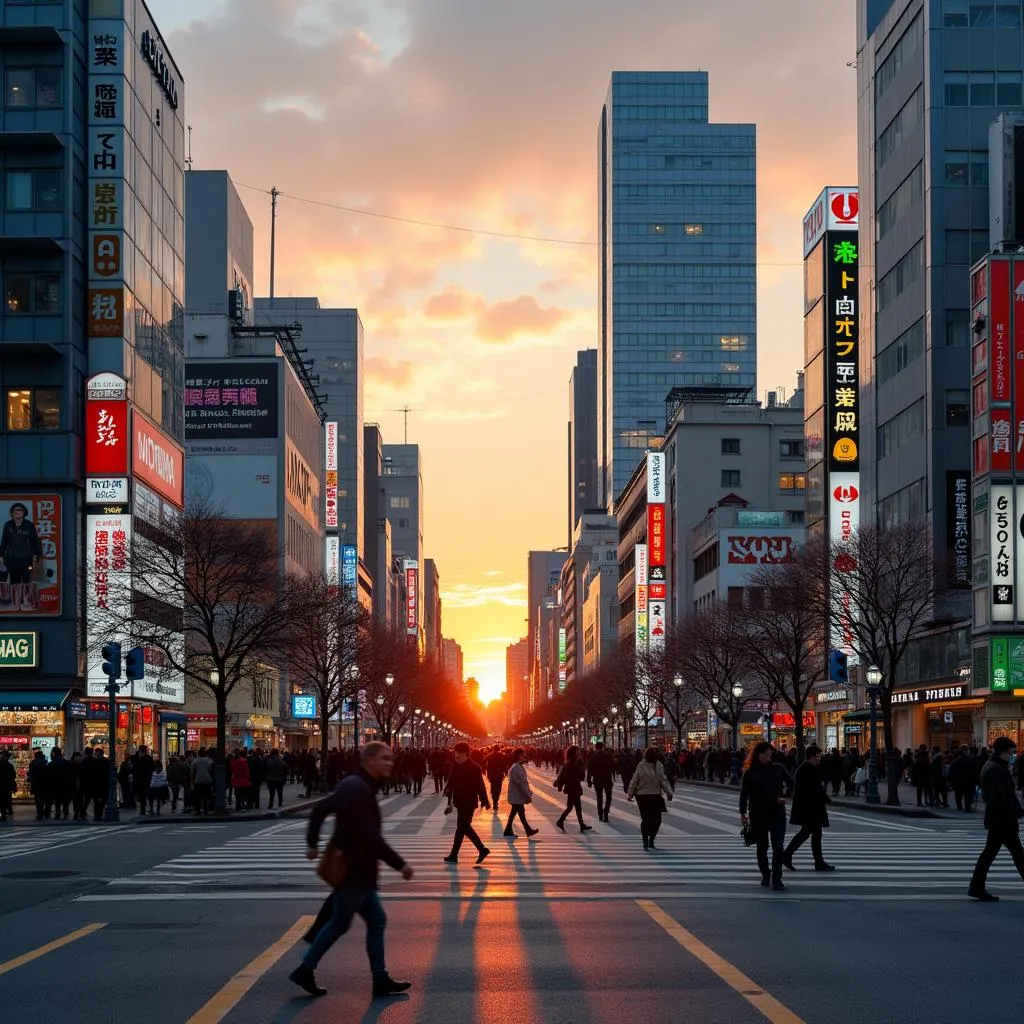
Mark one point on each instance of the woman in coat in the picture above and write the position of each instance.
(766, 786)
(241, 781)
(809, 810)
(570, 781)
(519, 794)
(647, 785)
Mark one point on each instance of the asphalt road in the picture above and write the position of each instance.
(199, 923)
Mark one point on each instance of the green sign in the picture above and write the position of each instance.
(1006, 663)
(761, 519)
(19, 650)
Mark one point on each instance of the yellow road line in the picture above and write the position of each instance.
(221, 1004)
(768, 1006)
(35, 954)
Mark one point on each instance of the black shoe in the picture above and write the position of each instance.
(531, 832)
(778, 887)
(824, 866)
(586, 828)
(560, 824)
(510, 835)
(650, 844)
(646, 844)
(387, 986)
(482, 855)
(765, 881)
(303, 977)
(451, 860)
(787, 862)
(982, 896)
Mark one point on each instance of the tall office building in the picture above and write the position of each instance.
(431, 596)
(544, 570)
(583, 489)
(677, 271)
(452, 659)
(931, 79)
(517, 679)
(93, 255)
(402, 486)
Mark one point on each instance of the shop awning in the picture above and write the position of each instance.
(33, 700)
(864, 715)
(174, 716)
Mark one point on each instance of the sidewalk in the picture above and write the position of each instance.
(295, 803)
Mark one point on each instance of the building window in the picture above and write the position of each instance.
(657, 229)
(954, 13)
(791, 449)
(958, 328)
(790, 483)
(694, 229)
(34, 88)
(955, 87)
(904, 428)
(1007, 16)
(730, 446)
(32, 293)
(958, 409)
(733, 343)
(33, 409)
(731, 478)
(901, 353)
(400, 501)
(33, 190)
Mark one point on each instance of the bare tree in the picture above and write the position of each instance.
(226, 575)
(785, 625)
(881, 581)
(320, 646)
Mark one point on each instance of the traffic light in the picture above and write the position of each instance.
(838, 670)
(111, 660)
(135, 663)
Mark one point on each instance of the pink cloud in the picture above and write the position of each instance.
(506, 320)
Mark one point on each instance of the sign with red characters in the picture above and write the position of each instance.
(106, 437)
(760, 550)
(656, 534)
(999, 332)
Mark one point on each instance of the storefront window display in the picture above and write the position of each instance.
(134, 726)
(1003, 727)
(22, 733)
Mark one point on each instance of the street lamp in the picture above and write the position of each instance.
(734, 769)
(678, 684)
(604, 731)
(389, 679)
(629, 722)
(380, 710)
(353, 675)
(401, 712)
(874, 677)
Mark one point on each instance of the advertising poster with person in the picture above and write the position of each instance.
(30, 554)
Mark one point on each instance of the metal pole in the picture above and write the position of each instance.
(273, 236)
(110, 812)
(873, 797)
(734, 761)
(679, 727)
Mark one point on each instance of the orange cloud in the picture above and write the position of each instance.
(505, 320)
(389, 372)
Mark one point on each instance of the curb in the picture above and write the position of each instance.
(190, 819)
(899, 810)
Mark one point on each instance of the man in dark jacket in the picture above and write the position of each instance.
(8, 784)
(1002, 817)
(143, 767)
(60, 786)
(99, 782)
(464, 790)
(496, 767)
(809, 810)
(600, 775)
(38, 783)
(358, 836)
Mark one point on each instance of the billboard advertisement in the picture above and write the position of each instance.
(244, 486)
(412, 596)
(301, 485)
(842, 352)
(331, 475)
(843, 506)
(332, 560)
(106, 437)
(1001, 546)
(1000, 368)
(303, 705)
(958, 527)
(231, 399)
(836, 209)
(640, 597)
(656, 478)
(107, 590)
(349, 571)
(656, 535)
(31, 554)
(157, 460)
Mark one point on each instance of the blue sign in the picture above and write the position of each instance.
(349, 570)
(75, 709)
(303, 705)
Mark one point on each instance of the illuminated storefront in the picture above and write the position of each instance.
(31, 721)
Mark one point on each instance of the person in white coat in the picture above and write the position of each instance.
(648, 784)
(519, 794)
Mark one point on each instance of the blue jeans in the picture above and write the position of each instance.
(349, 901)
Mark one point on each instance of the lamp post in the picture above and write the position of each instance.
(615, 727)
(629, 723)
(678, 684)
(582, 731)
(353, 675)
(874, 678)
(379, 699)
(220, 767)
(401, 716)
(604, 731)
(734, 765)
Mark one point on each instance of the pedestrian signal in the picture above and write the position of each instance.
(838, 669)
(135, 663)
(111, 660)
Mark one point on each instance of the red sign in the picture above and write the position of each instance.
(13, 741)
(106, 437)
(157, 461)
(1000, 432)
(787, 720)
(760, 550)
(845, 206)
(845, 493)
(655, 535)
(657, 591)
(999, 331)
(411, 599)
(1018, 362)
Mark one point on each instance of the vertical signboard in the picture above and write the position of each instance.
(106, 94)
(657, 561)
(999, 368)
(412, 596)
(331, 475)
(349, 571)
(562, 658)
(107, 439)
(958, 528)
(332, 561)
(1001, 546)
(31, 554)
(107, 589)
(640, 595)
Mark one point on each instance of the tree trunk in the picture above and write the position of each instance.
(325, 742)
(222, 720)
(798, 727)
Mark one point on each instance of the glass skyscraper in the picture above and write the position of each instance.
(677, 278)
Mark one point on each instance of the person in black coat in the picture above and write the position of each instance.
(8, 784)
(465, 789)
(38, 784)
(570, 782)
(601, 775)
(809, 810)
(357, 834)
(1003, 812)
(763, 792)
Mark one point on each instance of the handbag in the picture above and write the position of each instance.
(748, 835)
(333, 867)
(664, 806)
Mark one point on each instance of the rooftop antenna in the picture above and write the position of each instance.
(405, 412)
(188, 158)
(274, 193)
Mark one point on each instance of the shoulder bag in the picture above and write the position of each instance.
(333, 867)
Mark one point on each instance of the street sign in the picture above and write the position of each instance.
(19, 649)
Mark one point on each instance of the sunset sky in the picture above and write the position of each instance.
(483, 115)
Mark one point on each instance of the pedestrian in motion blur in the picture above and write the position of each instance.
(1003, 812)
(601, 775)
(570, 781)
(519, 794)
(765, 788)
(357, 835)
(809, 810)
(464, 790)
(648, 784)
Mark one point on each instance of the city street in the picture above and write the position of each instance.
(198, 922)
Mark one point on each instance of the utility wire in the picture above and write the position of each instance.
(457, 227)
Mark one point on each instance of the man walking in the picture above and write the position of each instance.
(357, 835)
(809, 810)
(1002, 817)
(8, 784)
(464, 790)
(497, 768)
(601, 776)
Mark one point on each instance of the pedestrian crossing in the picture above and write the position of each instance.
(270, 865)
(26, 840)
